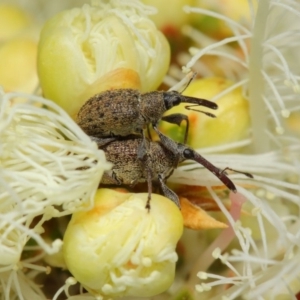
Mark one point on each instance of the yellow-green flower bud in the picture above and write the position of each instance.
(170, 16)
(238, 11)
(232, 117)
(80, 47)
(18, 50)
(293, 123)
(12, 21)
(18, 61)
(119, 248)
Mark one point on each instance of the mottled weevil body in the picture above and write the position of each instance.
(124, 112)
(141, 160)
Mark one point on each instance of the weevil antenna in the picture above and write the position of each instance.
(240, 172)
(188, 107)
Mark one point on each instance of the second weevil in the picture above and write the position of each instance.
(124, 112)
(137, 160)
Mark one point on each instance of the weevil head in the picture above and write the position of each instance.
(184, 153)
(188, 153)
(172, 98)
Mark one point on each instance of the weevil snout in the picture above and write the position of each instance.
(189, 153)
(173, 98)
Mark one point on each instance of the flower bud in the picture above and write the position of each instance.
(12, 21)
(18, 61)
(80, 47)
(119, 248)
(238, 11)
(170, 16)
(232, 117)
(18, 50)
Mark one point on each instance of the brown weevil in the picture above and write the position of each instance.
(138, 160)
(123, 112)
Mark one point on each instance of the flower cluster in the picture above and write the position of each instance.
(49, 168)
(261, 264)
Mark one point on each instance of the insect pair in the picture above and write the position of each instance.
(116, 120)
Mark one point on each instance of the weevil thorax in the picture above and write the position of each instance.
(155, 104)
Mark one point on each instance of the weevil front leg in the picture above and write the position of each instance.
(166, 141)
(177, 119)
(168, 192)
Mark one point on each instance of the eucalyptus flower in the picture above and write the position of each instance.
(262, 262)
(49, 168)
(119, 248)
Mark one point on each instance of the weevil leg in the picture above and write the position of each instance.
(149, 182)
(166, 141)
(168, 192)
(142, 151)
(144, 157)
(177, 119)
(149, 133)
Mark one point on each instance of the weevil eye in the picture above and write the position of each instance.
(188, 153)
(172, 99)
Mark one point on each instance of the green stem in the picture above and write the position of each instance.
(258, 112)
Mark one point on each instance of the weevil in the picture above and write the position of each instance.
(137, 160)
(123, 112)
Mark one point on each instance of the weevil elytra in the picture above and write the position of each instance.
(138, 160)
(124, 112)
